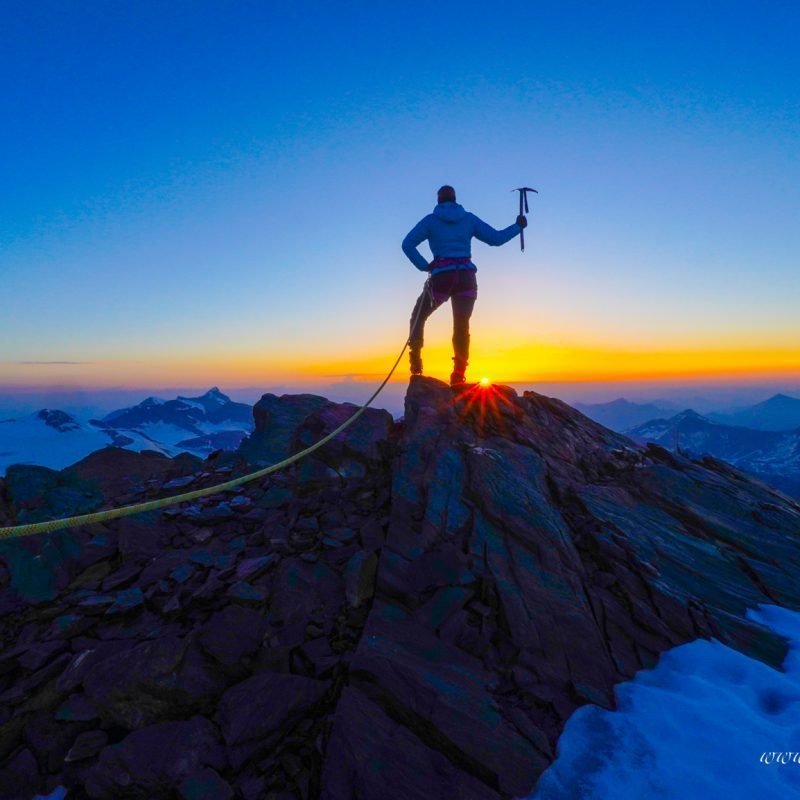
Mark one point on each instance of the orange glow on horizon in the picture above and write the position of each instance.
(526, 362)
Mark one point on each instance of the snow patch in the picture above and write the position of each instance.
(192, 403)
(31, 440)
(59, 793)
(706, 722)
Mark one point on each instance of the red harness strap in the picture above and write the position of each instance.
(449, 262)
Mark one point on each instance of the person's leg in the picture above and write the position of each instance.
(463, 303)
(423, 308)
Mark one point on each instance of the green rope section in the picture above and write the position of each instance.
(49, 526)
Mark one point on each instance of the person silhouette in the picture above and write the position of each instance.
(449, 231)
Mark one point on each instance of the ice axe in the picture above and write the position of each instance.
(523, 203)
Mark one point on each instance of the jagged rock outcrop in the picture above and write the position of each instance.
(413, 611)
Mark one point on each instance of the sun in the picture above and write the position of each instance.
(485, 381)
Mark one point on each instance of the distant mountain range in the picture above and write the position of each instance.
(779, 413)
(772, 456)
(621, 414)
(197, 425)
(762, 439)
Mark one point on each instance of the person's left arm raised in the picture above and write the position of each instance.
(486, 233)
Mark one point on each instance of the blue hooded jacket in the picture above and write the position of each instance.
(449, 231)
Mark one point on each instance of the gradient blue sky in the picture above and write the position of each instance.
(199, 193)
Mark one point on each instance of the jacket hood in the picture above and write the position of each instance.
(449, 211)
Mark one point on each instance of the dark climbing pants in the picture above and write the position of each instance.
(460, 286)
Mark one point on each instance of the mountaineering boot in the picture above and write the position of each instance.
(459, 368)
(415, 360)
(461, 357)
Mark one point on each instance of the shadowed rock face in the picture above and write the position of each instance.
(533, 560)
(414, 611)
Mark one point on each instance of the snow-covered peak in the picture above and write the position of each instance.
(216, 395)
(211, 399)
(55, 439)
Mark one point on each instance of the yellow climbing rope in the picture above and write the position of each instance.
(50, 526)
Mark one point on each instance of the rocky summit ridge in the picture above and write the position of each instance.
(414, 611)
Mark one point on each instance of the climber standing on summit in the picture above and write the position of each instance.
(449, 231)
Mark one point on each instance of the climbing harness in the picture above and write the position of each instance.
(50, 526)
(459, 263)
(523, 203)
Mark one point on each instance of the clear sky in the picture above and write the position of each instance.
(200, 193)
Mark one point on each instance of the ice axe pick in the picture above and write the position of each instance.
(523, 203)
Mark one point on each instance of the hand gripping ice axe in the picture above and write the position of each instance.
(523, 203)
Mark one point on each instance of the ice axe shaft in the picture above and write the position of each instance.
(523, 204)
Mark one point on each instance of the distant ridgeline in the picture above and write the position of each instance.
(413, 611)
(763, 439)
(198, 425)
